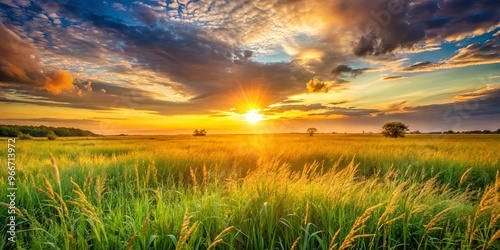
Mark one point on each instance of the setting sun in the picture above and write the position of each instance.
(253, 116)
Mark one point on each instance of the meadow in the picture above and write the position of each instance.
(284, 191)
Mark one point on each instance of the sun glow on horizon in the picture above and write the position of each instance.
(253, 116)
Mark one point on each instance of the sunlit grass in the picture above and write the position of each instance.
(258, 192)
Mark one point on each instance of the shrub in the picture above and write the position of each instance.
(25, 137)
(51, 136)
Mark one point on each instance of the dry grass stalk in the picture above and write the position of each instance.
(84, 204)
(100, 187)
(16, 210)
(223, 232)
(72, 241)
(307, 213)
(359, 224)
(205, 176)
(154, 172)
(136, 170)
(392, 205)
(496, 236)
(295, 243)
(435, 219)
(495, 216)
(55, 169)
(215, 243)
(218, 238)
(148, 173)
(131, 241)
(50, 190)
(193, 178)
(332, 242)
(389, 222)
(61, 201)
(185, 232)
(145, 224)
(464, 176)
(88, 182)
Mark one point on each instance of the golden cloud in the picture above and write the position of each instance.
(58, 81)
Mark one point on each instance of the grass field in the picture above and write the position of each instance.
(292, 191)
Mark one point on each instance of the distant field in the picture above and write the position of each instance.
(329, 191)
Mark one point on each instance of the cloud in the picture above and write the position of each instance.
(390, 25)
(421, 66)
(341, 69)
(482, 93)
(197, 56)
(473, 54)
(19, 64)
(339, 102)
(345, 112)
(388, 78)
(16, 62)
(297, 107)
(395, 107)
(316, 86)
(56, 82)
(119, 6)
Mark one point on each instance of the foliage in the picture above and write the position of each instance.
(201, 132)
(311, 131)
(41, 131)
(257, 192)
(25, 137)
(394, 129)
(51, 135)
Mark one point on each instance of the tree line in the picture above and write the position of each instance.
(41, 131)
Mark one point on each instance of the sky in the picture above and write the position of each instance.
(239, 66)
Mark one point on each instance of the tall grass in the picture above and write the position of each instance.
(258, 192)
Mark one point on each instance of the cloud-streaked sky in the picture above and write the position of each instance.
(155, 67)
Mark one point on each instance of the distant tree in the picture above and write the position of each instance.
(415, 132)
(311, 131)
(395, 129)
(197, 132)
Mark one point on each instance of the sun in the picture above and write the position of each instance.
(253, 116)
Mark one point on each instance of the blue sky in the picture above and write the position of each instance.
(170, 66)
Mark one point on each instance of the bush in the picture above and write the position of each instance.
(25, 137)
(51, 136)
(197, 132)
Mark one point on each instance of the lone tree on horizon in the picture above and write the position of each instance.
(395, 129)
(311, 131)
(197, 132)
